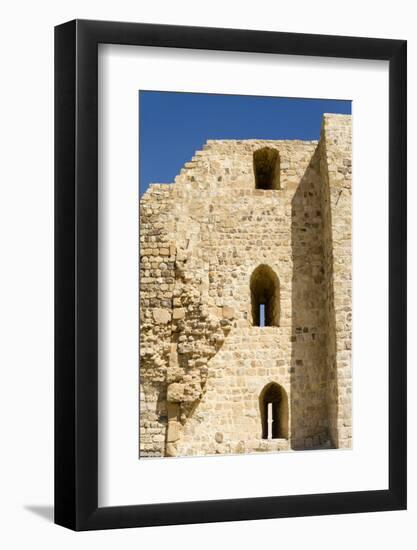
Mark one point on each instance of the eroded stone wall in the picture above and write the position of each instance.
(203, 363)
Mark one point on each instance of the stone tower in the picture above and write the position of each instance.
(245, 299)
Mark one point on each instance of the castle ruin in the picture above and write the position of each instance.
(245, 299)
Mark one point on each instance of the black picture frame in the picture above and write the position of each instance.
(76, 272)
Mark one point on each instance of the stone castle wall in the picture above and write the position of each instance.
(205, 241)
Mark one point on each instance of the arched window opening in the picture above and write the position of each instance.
(273, 403)
(264, 287)
(266, 167)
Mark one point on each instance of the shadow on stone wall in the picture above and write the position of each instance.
(332, 378)
(309, 372)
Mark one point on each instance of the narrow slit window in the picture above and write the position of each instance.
(261, 315)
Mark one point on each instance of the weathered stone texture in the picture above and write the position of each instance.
(203, 365)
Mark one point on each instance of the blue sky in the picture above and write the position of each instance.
(174, 125)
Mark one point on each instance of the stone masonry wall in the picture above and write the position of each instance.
(203, 365)
(336, 169)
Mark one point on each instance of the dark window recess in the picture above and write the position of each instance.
(273, 403)
(266, 167)
(264, 288)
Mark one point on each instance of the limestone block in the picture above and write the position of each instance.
(171, 450)
(228, 312)
(161, 316)
(172, 411)
(178, 313)
(174, 431)
(175, 392)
